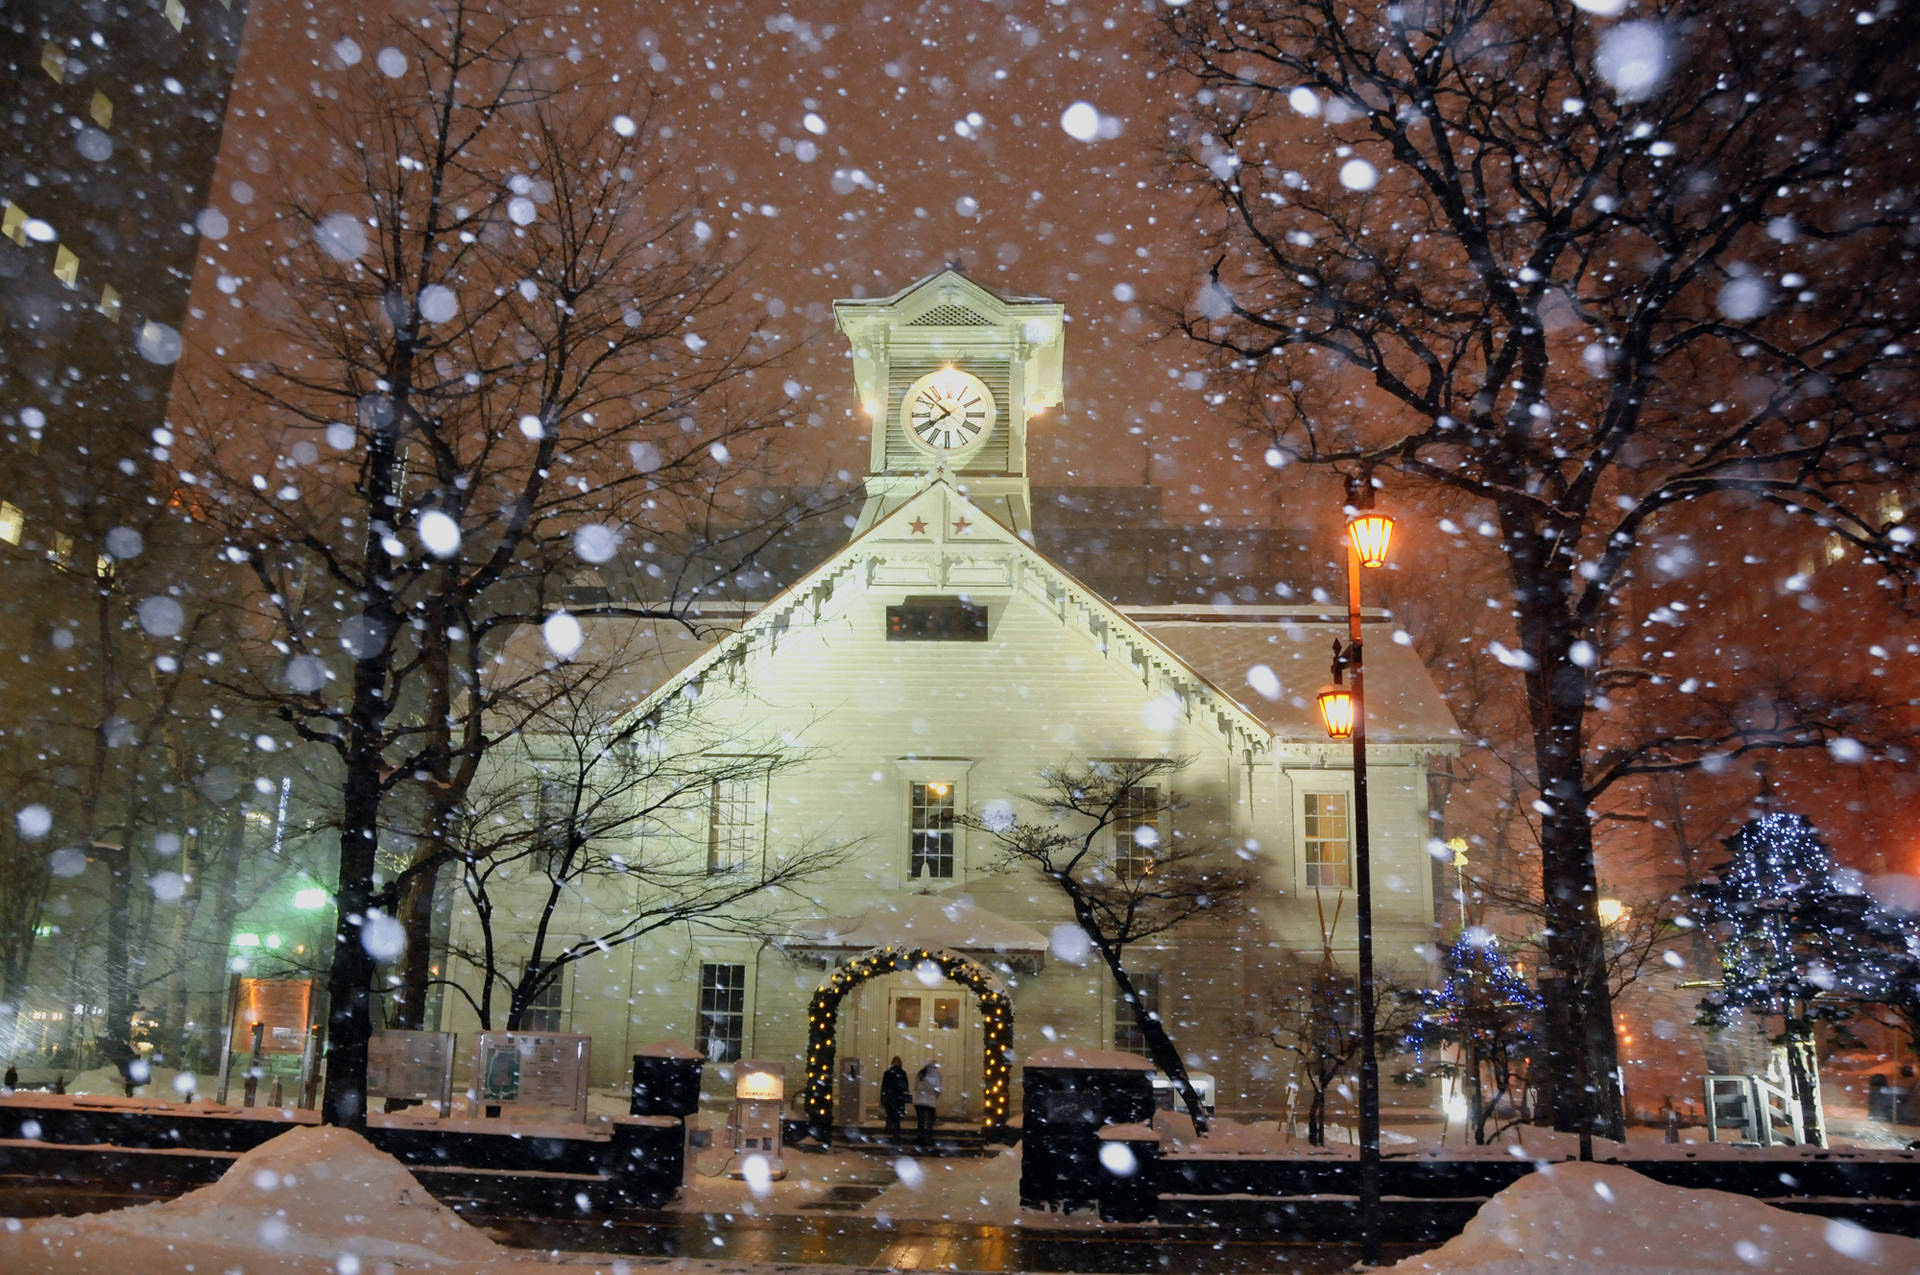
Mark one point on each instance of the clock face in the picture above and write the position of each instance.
(948, 410)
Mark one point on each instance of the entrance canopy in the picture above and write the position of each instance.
(918, 920)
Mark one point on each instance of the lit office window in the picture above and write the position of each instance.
(1136, 832)
(931, 831)
(1329, 862)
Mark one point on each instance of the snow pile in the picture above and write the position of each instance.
(976, 1191)
(309, 1193)
(1601, 1219)
(1072, 1056)
(1266, 1139)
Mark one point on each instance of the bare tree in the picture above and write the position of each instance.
(512, 356)
(1315, 1016)
(1507, 265)
(1103, 845)
(581, 841)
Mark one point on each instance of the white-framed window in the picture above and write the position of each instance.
(736, 822)
(553, 818)
(721, 1032)
(930, 830)
(1128, 1038)
(547, 1011)
(933, 792)
(1326, 840)
(1137, 832)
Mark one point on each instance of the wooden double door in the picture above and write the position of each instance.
(928, 1024)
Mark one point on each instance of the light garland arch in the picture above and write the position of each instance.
(823, 1014)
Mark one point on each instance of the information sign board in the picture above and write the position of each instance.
(532, 1071)
(405, 1064)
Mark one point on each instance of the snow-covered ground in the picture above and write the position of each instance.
(317, 1200)
(1601, 1219)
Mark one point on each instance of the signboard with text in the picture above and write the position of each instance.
(404, 1064)
(269, 1030)
(529, 1071)
(280, 1007)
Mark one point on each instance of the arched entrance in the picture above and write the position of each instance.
(823, 1017)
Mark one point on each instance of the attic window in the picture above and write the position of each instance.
(936, 619)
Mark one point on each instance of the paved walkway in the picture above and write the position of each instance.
(865, 1244)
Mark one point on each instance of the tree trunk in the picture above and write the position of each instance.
(221, 910)
(1477, 1104)
(1317, 1119)
(1582, 1057)
(175, 987)
(350, 980)
(415, 910)
(416, 970)
(116, 1036)
(1159, 1046)
(1804, 1069)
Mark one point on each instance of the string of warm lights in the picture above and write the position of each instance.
(823, 1013)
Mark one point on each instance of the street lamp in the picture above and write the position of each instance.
(1459, 847)
(1343, 710)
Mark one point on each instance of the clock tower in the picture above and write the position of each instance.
(949, 374)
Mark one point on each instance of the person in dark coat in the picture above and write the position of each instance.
(894, 1088)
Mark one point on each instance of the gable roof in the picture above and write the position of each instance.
(947, 276)
(1109, 629)
(1403, 704)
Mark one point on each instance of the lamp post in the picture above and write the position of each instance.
(1459, 847)
(1343, 710)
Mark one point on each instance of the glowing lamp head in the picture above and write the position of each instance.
(1336, 710)
(1611, 911)
(1370, 532)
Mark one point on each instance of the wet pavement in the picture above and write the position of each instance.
(855, 1242)
(864, 1242)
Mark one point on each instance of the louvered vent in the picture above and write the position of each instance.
(948, 316)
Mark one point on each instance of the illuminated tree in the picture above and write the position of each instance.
(1486, 1009)
(1788, 924)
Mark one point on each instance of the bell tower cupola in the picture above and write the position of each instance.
(950, 373)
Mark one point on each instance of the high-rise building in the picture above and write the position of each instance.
(113, 112)
(113, 115)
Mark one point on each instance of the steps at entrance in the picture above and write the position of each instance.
(961, 1141)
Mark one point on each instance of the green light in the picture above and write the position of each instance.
(246, 940)
(310, 899)
(273, 940)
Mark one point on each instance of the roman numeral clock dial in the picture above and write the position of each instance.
(948, 411)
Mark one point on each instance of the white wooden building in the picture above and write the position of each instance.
(938, 662)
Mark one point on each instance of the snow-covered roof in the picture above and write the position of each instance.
(923, 920)
(1230, 650)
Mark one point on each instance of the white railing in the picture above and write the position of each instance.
(1764, 1112)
